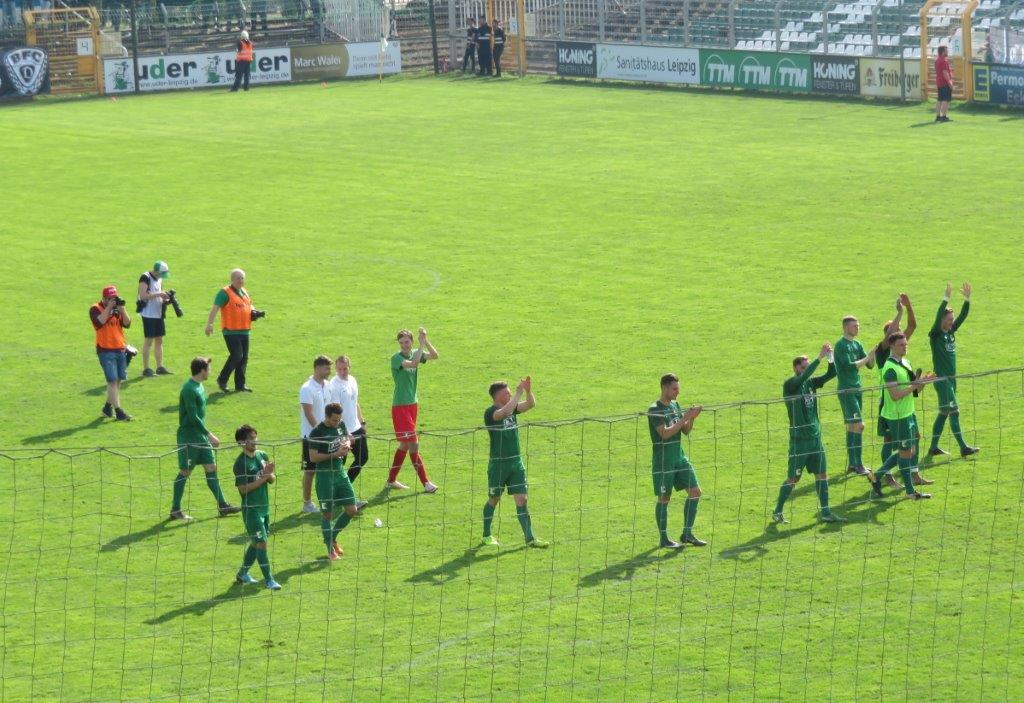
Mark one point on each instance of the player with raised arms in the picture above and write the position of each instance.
(670, 467)
(405, 366)
(328, 444)
(805, 448)
(253, 470)
(943, 341)
(505, 468)
(901, 383)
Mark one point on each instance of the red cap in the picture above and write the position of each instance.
(110, 292)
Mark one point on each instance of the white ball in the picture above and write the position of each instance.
(377, 522)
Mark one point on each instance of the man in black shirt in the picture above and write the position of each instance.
(499, 46)
(483, 46)
(469, 56)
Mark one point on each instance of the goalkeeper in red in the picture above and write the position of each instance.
(253, 471)
(505, 468)
(670, 467)
(943, 340)
(805, 448)
(405, 367)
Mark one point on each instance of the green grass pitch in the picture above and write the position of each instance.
(592, 236)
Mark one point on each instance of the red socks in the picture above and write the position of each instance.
(421, 471)
(396, 465)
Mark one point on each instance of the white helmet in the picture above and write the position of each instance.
(245, 35)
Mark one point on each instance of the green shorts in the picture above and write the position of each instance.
(850, 402)
(904, 432)
(947, 396)
(883, 427)
(505, 474)
(193, 453)
(257, 524)
(806, 454)
(333, 489)
(680, 476)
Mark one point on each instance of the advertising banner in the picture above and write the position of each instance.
(837, 75)
(881, 78)
(755, 70)
(576, 59)
(655, 64)
(323, 61)
(181, 71)
(999, 85)
(24, 72)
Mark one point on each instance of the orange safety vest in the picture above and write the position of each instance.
(245, 53)
(109, 335)
(237, 313)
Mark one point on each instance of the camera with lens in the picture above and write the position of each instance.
(130, 353)
(119, 301)
(257, 314)
(172, 300)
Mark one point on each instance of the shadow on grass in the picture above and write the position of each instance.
(102, 390)
(151, 531)
(758, 546)
(386, 496)
(929, 123)
(64, 432)
(236, 591)
(624, 570)
(450, 569)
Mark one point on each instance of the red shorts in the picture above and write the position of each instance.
(403, 417)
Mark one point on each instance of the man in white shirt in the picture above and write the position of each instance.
(150, 306)
(343, 389)
(313, 398)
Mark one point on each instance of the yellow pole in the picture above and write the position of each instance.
(967, 30)
(521, 39)
(923, 15)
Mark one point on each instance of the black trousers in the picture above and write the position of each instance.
(497, 57)
(485, 61)
(238, 359)
(241, 70)
(469, 58)
(359, 453)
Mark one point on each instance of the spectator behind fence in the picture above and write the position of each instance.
(469, 56)
(499, 46)
(243, 61)
(483, 46)
(109, 319)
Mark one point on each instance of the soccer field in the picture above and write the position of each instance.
(593, 236)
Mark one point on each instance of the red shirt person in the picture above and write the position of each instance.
(944, 84)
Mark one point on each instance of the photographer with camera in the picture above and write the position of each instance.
(151, 305)
(109, 319)
(236, 316)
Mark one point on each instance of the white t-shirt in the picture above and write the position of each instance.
(314, 394)
(154, 306)
(346, 392)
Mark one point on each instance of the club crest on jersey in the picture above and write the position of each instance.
(26, 69)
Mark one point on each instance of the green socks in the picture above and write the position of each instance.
(524, 521)
(784, 493)
(822, 488)
(264, 562)
(179, 491)
(906, 466)
(888, 465)
(853, 449)
(954, 424)
(325, 529)
(887, 449)
(250, 557)
(213, 483)
(940, 422)
(488, 518)
(340, 524)
(689, 515)
(661, 517)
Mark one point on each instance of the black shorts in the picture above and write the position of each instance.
(153, 327)
(945, 94)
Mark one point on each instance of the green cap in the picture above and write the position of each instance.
(161, 268)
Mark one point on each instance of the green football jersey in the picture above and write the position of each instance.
(665, 451)
(192, 411)
(504, 434)
(800, 393)
(847, 353)
(405, 379)
(944, 343)
(325, 440)
(246, 469)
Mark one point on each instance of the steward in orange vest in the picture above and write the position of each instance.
(109, 320)
(243, 61)
(236, 316)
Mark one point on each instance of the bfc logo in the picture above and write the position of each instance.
(26, 70)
